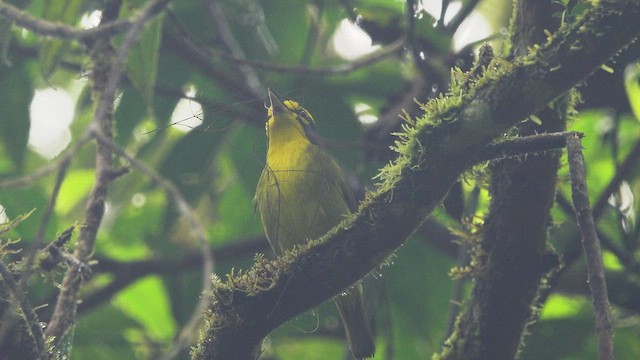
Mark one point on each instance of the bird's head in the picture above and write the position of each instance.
(287, 120)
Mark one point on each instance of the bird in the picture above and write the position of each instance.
(301, 194)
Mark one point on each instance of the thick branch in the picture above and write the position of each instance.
(513, 256)
(435, 153)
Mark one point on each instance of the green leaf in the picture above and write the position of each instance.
(577, 334)
(100, 335)
(51, 50)
(310, 348)
(76, 186)
(154, 315)
(290, 35)
(419, 289)
(235, 205)
(129, 113)
(142, 65)
(22, 201)
(5, 31)
(632, 85)
(247, 151)
(16, 90)
(580, 8)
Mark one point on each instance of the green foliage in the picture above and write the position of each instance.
(632, 85)
(147, 278)
(16, 90)
(52, 50)
(142, 65)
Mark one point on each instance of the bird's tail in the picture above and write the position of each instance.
(355, 322)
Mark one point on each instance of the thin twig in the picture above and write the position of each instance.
(62, 173)
(461, 15)
(625, 257)
(526, 145)
(29, 179)
(628, 164)
(591, 244)
(117, 70)
(64, 315)
(370, 59)
(197, 230)
(224, 31)
(443, 12)
(30, 318)
(59, 30)
(127, 272)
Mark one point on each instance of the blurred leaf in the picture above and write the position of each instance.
(419, 288)
(155, 315)
(130, 111)
(172, 73)
(196, 18)
(184, 292)
(309, 348)
(51, 50)
(247, 151)
(75, 188)
(5, 30)
(558, 306)
(99, 335)
(576, 335)
(626, 342)
(142, 64)
(138, 219)
(22, 201)
(291, 35)
(235, 206)
(189, 163)
(16, 92)
(580, 8)
(597, 151)
(632, 85)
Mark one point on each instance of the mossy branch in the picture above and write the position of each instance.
(434, 152)
(512, 259)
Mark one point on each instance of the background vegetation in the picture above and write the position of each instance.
(190, 113)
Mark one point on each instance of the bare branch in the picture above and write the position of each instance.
(591, 244)
(59, 30)
(29, 179)
(526, 145)
(189, 330)
(461, 16)
(28, 315)
(106, 78)
(224, 31)
(61, 165)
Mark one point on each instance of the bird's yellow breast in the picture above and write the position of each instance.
(300, 194)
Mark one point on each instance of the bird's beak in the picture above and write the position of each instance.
(275, 103)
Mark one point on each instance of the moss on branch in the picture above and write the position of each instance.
(434, 152)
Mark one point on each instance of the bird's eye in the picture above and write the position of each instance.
(305, 116)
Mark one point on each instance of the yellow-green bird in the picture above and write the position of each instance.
(302, 193)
